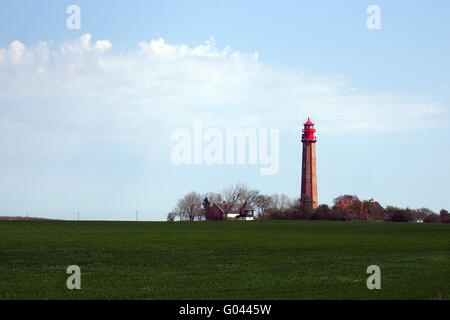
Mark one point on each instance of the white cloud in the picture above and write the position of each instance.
(102, 45)
(80, 88)
(16, 51)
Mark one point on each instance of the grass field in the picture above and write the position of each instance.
(224, 260)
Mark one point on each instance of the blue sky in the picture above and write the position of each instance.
(86, 116)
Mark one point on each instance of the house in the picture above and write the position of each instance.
(227, 211)
(375, 210)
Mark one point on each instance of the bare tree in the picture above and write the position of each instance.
(263, 202)
(232, 195)
(250, 197)
(422, 213)
(276, 201)
(238, 194)
(280, 201)
(285, 201)
(213, 197)
(190, 207)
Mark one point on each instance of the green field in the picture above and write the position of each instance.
(224, 260)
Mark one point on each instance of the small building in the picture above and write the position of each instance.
(227, 211)
(375, 210)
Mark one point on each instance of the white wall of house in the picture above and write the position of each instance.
(235, 215)
(246, 218)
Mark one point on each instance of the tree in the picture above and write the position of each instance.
(206, 206)
(263, 202)
(322, 212)
(250, 197)
(422, 213)
(350, 206)
(444, 216)
(280, 201)
(190, 207)
(432, 218)
(399, 215)
(213, 197)
(171, 216)
(345, 197)
(238, 194)
(276, 201)
(357, 208)
(285, 202)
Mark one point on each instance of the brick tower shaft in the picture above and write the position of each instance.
(309, 170)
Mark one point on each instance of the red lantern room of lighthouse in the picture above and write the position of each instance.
(309, 171)
(309, 131)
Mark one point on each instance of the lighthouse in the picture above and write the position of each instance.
(309, 171)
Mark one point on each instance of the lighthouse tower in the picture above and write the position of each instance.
(309, 173)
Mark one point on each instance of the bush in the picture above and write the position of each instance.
(422, 213)
(444, 216)
(395, 214)
(445, 220)
(277, 215)
(432, 218)
(171, 216)
(323, 212)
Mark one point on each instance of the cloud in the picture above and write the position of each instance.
(16, 52)
(80, 91)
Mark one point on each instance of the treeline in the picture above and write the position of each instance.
(193, 206)
(357, 210)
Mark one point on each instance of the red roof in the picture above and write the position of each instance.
(308, 123)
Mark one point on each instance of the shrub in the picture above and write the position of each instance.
(444, 216)
(399, 215)
(323, 212)
(275, 215)
(171, 216)
(432, 218)
(354, 212)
